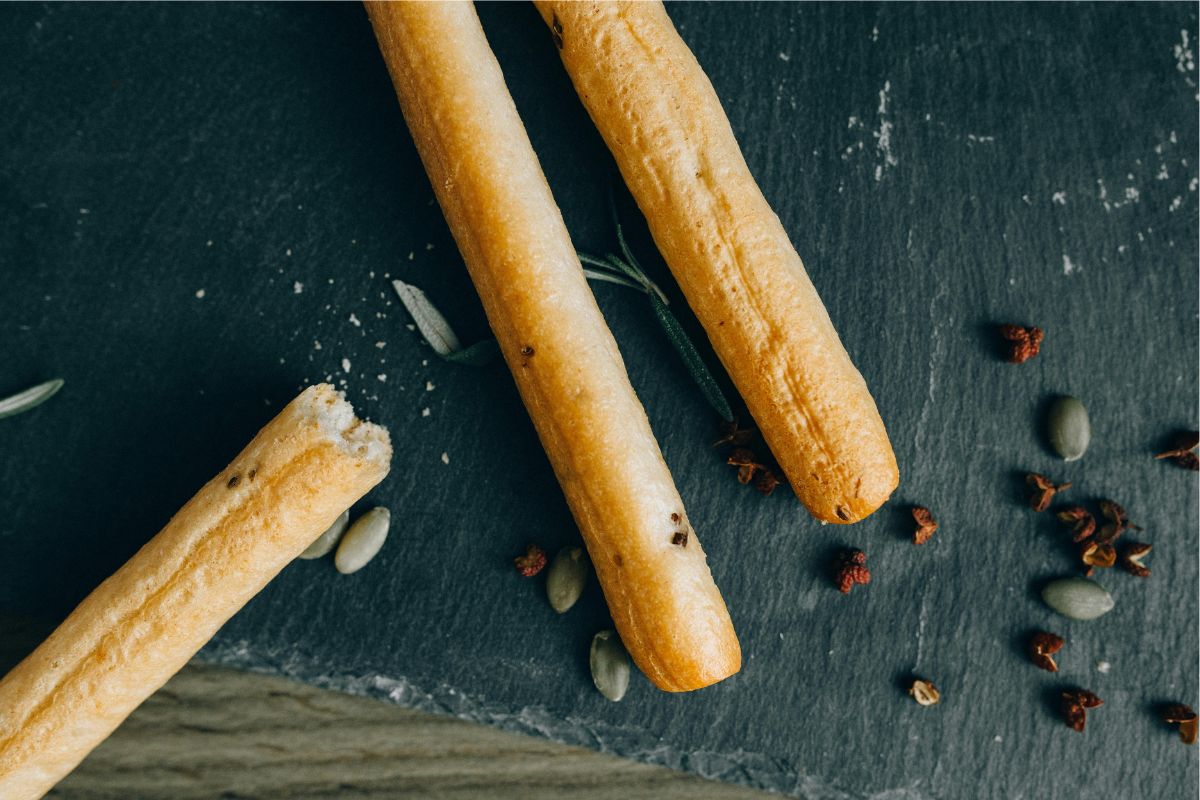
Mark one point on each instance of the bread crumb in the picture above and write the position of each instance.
(345, 365)
(381, 345)
(382, 377)
(445, 458)
(355, 321)
(429, 387)
(1103, 667)
(425, 412)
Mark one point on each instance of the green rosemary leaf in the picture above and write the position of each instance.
(479, 354)
(30, 398)
(597, 275)
(691, 359)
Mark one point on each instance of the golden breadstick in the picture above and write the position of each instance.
(140, 626)
(743, 279)
(566, 364)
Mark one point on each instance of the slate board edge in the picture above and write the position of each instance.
(745, 768)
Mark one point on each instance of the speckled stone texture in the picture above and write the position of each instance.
(941, 168)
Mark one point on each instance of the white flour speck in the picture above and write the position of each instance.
(382, 377)
(316, 345)
(1162, 173)
(445, 458)
(429, 387)
(381, 345)
(199, 294)
(1132, 194)
(1175, 204)
(1121, 248)
(784, 57)
(1059, 197)
(429, 245)
(1185, 59)
(355, 321)
(1070, 267)
(875, 34)
(425, 412)
(289, 252)
(345, 365)
(297, 287)
(883, 136)
(411, 254)
(1103, 667)
(208, 243)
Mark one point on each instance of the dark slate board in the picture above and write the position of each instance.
(1040, 167)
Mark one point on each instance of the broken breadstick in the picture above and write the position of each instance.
(567, 368)
(140, 626)
(660, 117)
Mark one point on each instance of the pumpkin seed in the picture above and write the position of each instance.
(30, 398)
(1068, 428)
(364, 539)
(1078, 598)
(329, 539)
(610, 665)
(566, 578)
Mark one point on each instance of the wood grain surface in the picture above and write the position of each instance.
(214, 732)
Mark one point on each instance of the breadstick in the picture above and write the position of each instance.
(140, 626)
(731, 256)
(567, 368)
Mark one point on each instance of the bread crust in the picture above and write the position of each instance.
(564, 360)
(142, 624)
(664, 124)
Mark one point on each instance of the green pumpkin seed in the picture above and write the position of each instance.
(1068, 428)
(1078, 598)
(566, 577)
(610, 665)
(327, 540)
(364, 539)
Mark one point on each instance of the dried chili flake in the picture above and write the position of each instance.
(1081, 521)
(1183, 451)
(533, 562)
(1044, 490)
(1118, 522)
(1042, 647)
(1024, 343)
(1075, 703)
(1185, 718)
(851, 570)
(766, 481)
(1097, 554)
(926, 525)
(733, 434)
(1132, 557)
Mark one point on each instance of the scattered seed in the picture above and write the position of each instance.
(1077, 598)
(1044, 490)
(328, 540)
(926, 524)
(925, 693)
(566, 578)
(1068, 428)
(610, 665)
(364, 539)
(30, 398)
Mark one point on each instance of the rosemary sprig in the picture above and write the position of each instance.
(625, 270)
(30, 398)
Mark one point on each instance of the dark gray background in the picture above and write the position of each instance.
(151, 151)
